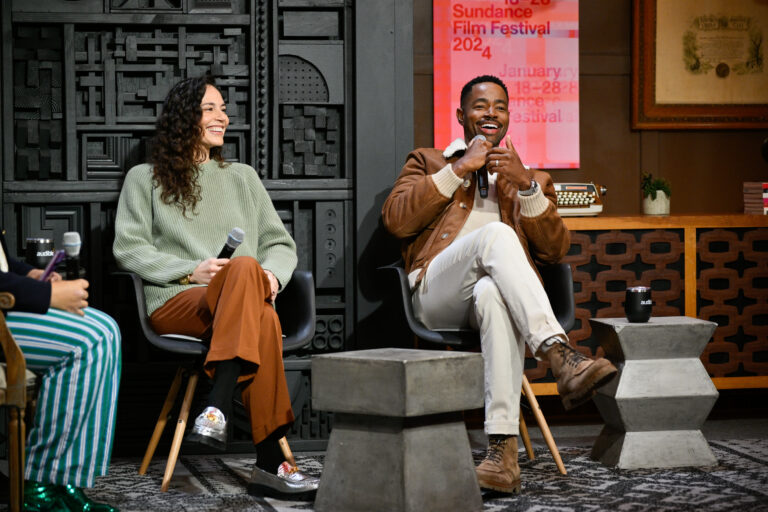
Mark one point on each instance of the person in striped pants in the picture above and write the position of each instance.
(75, 350)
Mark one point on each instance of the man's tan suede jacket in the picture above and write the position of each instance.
(427, 222)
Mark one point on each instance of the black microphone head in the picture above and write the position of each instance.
(71, 243)
(235, 238)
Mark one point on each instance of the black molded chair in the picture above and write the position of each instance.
(558, 283)
(296, 310)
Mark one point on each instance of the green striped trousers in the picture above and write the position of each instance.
(78, 359)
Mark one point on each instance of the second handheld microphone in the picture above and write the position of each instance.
(71, 242)
(234, 239)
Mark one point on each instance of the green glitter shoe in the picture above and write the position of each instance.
(76, 499)
(43, 498)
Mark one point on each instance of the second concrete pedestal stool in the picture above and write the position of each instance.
(655, 408)
(398, 441)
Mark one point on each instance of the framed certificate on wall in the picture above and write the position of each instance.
(699, 64)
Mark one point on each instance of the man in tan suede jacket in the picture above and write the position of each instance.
(469, 254)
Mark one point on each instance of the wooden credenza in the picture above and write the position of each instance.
(712, 267)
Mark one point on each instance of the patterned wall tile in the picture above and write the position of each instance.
(732, 285)
(604, 264)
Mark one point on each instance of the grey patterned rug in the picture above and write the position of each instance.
(739, 482)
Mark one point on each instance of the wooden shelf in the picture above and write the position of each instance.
(735, 220)
(690, 224)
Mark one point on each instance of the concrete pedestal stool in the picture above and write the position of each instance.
(398, 441)
(654, 409)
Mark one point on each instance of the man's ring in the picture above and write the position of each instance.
(497, 163)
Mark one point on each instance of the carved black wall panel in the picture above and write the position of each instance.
(310, 24)
(301, 81)
(177, 6)
(329, 244)
(124, 75)
(312, 72)
(83, 83)
(214, 6)
(63, 6)
(145, 5)
(311, 427)
(51, 221)
(37, 103)
(329, 333)
(310, 141)
(108, 156)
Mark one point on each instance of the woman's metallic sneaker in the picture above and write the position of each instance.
(289, 483)
(210, 429)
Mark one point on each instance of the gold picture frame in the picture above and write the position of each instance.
(677, 79)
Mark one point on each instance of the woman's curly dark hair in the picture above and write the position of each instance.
(175, 147)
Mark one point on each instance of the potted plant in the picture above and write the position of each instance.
(656, 194)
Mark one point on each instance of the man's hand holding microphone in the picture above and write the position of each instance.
(474, 158)
(482, 157)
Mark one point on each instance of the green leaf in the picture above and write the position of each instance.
(650, 186)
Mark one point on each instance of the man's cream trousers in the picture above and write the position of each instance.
(483, 280)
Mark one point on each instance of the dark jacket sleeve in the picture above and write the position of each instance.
(18, 267)
(31, 296)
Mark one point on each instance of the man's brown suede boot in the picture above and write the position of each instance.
(500, 471)
(578, 377)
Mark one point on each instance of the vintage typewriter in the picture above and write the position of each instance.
(579, 199)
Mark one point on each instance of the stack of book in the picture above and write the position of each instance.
(756, 197)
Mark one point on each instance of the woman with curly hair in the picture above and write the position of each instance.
(171, 218)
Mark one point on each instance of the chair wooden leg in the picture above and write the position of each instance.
(287, 453)
(16, 436)
(543, 425)
(162, 420)
(181, 425)
(526, 437)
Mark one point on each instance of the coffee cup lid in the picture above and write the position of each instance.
(638, 289)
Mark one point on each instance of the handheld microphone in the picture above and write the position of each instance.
(482, 173)
(71, 243)
(234, 239)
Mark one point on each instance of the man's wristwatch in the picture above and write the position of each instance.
(185, 279)
(530, 191)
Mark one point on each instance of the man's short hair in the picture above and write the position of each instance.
(480, 80)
